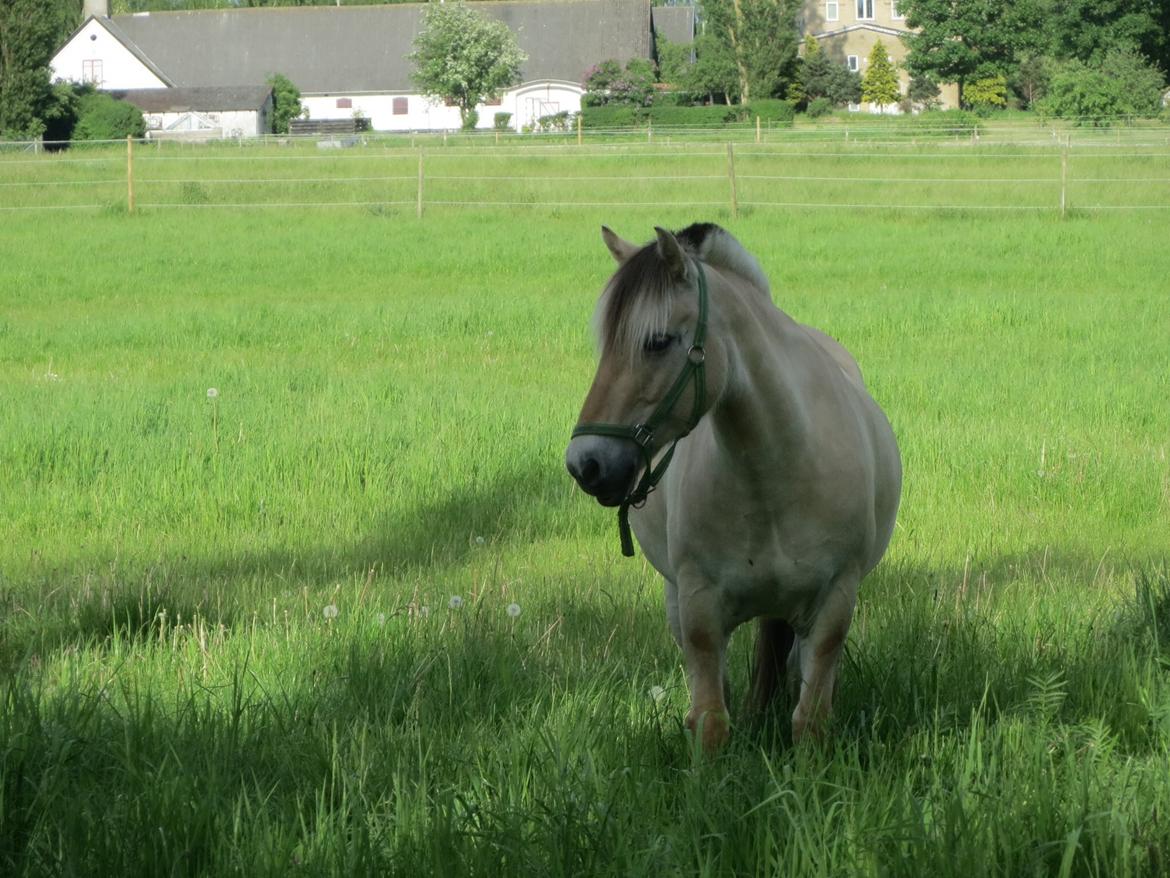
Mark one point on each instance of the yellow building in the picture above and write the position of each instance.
(847, 31)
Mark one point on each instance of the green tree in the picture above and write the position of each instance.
(286, 102)
(464, 57)
(1122, 84)
(760, 38)
(30, 31)
(880, 83)
(974, 39)
(714, 74)
(819, 76)
(1088, 30)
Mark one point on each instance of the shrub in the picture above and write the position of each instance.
(286, 102)
(101, 117)
(1122, 84)
(502, 121)
(470, 120)
(772, 110)
(561, 121)
(608, 83)
(987, 94)
(818, 107)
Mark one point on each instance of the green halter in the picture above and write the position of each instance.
(643, 434)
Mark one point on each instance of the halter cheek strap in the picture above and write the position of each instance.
(643, 434)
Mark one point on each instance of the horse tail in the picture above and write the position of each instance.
(774, 639)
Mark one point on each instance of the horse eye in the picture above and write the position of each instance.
(656, 344)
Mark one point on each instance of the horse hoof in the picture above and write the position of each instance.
(711, 727)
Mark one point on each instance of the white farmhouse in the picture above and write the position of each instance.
(352, 60)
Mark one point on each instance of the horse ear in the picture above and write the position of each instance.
(621, 249)
(671, 252)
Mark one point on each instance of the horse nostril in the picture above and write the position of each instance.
(590, 472)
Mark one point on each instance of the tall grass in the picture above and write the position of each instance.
(229, 644)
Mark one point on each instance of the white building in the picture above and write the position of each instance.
(352, 60)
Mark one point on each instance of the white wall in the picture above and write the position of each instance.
(526, 103)
(119, 67)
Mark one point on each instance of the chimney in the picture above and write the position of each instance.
(100, 8)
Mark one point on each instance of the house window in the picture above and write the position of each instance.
(895, 12)
(91, 71)
(401, 106)
(853, 65)
(864, 9)
(832, 10)
(345, 103)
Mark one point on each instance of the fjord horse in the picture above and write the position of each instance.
(743, 448)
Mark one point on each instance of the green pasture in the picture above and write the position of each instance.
(266, 631)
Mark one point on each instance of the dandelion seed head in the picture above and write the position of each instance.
(380, 619)
(513, 610)
(330, 612)
(456, 602)
(424, 611)
(657, 693)
(479, 541)
(212, 392)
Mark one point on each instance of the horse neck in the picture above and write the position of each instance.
(764, 372)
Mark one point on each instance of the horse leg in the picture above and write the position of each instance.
(704, 645)
(818, 653)
(774, 641)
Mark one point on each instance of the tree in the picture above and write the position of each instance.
(101, 117)
(880, 84)
(973, 39)
(819, 76)
(286, 102)
(29, 32)
(760, 39)
(463, 57)
(1122, 84)
(1089, 29)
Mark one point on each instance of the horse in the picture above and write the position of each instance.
(758, 474)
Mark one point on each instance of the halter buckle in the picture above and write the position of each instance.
(696, 355)
(643, 435)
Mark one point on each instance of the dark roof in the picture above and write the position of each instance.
(676, 23)
(353, 49)
(178, 100)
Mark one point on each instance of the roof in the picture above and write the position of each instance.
(354, 49)
(676, 23)
(179, 100)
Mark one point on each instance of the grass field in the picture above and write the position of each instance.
(230, 639)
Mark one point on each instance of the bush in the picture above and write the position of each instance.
(561, 121)
(286, 102)
(818, 107)
(502, 121)
(772, 110)
(101, 117)
(1123, 84)
(987, 94)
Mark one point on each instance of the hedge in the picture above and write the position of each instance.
(712, 116)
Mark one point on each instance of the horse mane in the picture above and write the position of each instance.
(636, 301)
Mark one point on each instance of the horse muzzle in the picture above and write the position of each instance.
(605, 467)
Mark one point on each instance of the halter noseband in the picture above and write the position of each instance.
(643, 434)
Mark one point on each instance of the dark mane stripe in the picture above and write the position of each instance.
(637, 300)
(642, 281)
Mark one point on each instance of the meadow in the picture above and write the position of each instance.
(293, 580)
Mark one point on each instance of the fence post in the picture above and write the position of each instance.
(420, 183)
(649, 131)
(1063, 180)
(757, 129)
(731, 179)
(130, 173)
(578, 129)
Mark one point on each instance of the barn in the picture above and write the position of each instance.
(352, 60)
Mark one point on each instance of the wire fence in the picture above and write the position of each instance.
(855, 173)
